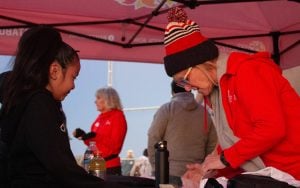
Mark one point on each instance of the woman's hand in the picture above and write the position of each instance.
(193, 175)
(196, 172)
(212, 162)
(78, 133)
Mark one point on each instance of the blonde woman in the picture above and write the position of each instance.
(256, 111)
(108, 130)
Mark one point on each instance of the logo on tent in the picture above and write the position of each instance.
(145, 3)
(255, 45)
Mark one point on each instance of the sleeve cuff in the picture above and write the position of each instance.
(223, 159)
(232, 158)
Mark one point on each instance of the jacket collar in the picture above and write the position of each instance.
(108, 113)
(236, 59)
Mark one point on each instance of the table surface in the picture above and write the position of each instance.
(132, 181)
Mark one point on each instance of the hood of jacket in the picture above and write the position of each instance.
(186, 100)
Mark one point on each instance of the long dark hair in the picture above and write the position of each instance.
(38, 47)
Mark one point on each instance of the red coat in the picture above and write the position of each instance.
(263, 110)
(110, 128)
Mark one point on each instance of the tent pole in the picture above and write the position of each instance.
(154, 13)
(297, 1)
(290, 47)
(109, 74)
(234, 47)
(276, 52)
(192, 4)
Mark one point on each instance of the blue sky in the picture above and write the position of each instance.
(138, 84)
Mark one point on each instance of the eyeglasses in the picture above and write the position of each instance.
(187, 73)
(185, 82)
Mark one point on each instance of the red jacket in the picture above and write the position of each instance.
(263, 110)
(110, 128)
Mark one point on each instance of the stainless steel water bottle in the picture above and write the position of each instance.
(161, 163)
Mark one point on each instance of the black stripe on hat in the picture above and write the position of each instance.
(190, 57)
(177, 32)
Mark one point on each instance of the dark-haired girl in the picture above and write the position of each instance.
(33, 124)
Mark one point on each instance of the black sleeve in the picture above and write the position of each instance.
(49, 143)
(2, 80)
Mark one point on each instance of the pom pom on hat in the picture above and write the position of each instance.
(177, 14)
(185, 46)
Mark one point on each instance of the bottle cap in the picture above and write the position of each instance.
(161, 145)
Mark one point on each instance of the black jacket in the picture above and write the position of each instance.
(40, 154)
(3, 76)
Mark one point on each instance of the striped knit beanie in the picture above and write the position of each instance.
(184, 44)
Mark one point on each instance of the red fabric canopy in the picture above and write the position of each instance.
(115, 28)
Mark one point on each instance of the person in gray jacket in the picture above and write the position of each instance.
(181, 123)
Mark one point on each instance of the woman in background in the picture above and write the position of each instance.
(108, 130)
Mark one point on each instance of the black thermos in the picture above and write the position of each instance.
(161, 163)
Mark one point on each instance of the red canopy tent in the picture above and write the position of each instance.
(133, 30)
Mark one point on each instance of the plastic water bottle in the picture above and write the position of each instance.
(161, 163)
(89, 155)
(97, 166)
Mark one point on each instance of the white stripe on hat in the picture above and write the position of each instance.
(179, 33)
(178, 37)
